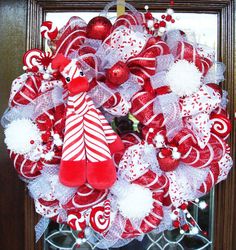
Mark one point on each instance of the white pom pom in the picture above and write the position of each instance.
(202, 205)
(159, 140)
(184, 78)
(176, 155)
(135, 202)
(173, 216)
(22, 136)
(25, 67)
(162, 29)
(146, 7)
(46, 76)
(48, 156)
(170, 11)
(194, 231)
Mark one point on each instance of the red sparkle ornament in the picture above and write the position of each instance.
(184, 206)
(185, 227)
(163, 16)
(117, 74)
(35, 69)
(156, 25)
(173, 20)
(148, 15)
(32, 142)
(168, 18)
(192, 222)
(162, 24)
(98, 28)
(176, 223)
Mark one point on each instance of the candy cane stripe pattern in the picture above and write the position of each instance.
(76, 221)
(89, 139)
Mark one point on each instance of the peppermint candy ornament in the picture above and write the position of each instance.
(48, 30)
(99, 218)
(76, 221)
(221, 125)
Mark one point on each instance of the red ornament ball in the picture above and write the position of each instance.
(117, 74)
(162, 24)
(176, 224)
(98, 28)
(167, 163)
(168, 18)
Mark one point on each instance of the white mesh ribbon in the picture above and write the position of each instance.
(184, 183)
(100, 94)
(158, 80)
(41, 227)
(94, 43)
(107, 56)
(129, 88)
(164, 62)
(215, 74)
(166, 222)
(47, 186)
(172, 38)
(136, 161)
(224, 100)
(112, 238)
(43, 103)
(168, 105)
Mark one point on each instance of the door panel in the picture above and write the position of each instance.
(20, 22)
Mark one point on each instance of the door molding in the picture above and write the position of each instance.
(225, 218)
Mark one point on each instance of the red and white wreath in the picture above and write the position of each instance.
(113, 186)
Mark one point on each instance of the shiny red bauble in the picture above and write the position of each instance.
(117, 74)
(167, 163)
(98, 28)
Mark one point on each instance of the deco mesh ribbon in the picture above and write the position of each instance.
(133, 70)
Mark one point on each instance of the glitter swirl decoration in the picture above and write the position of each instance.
(120, 128)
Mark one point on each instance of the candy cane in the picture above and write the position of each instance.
(159, 186)
(25, 168)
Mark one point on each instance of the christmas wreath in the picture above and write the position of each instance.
(118, 127)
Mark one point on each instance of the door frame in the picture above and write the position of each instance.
(225, 218)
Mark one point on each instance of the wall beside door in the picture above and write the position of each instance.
(12, 45)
